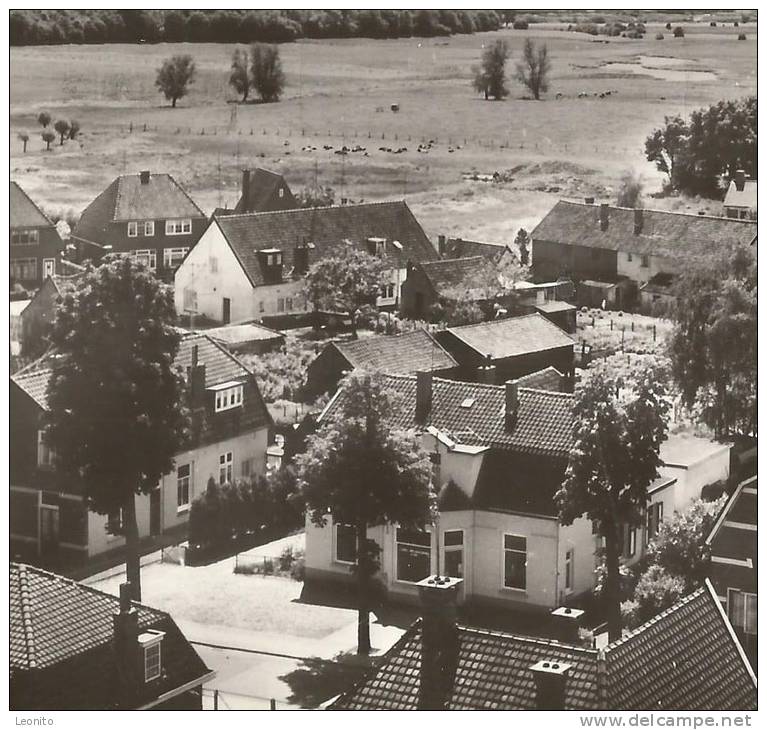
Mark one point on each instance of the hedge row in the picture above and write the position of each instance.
(36, 27)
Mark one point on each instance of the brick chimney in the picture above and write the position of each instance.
(740, 179)
(566, 623)
(423, 394)
(144, 175)
(512, 403)
(604, 215)
(245, 190)
(196, 392)
(126, 649)
(486, 372)
(550, 682)
(441, 245)
(440, 642)
(638, 220)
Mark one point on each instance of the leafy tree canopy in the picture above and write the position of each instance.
(490, 75)
(534, 67)
(174, 77)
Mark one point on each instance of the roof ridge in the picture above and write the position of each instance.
(538, 640)
(595, 206)
(34, 205)
(183, 190)
(456, 258)
(26, 614)
(319, 207)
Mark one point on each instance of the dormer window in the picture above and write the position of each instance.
(151, 644)
(228, 396)
(272, 256)
(376, 246)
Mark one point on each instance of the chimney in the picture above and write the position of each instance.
(638, 220)
(487, 371)
(423, 392)
(512, 403)
(588, 201)
(604, 215)
(144, 175)
(740, 179)
(440, 642)
(245, 190)
(566, 623)
(441, 245)
(550, 680)
(196, 374)
(126, 648)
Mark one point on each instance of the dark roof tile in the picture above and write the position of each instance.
(24, 212)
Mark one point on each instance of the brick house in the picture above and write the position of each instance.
(36, 246)
(50, 522)
(618, 250)
(264, 191)
(502, 349)
(405, 353)
(148, 215)
(73, 647)
(251, 266)
(686, 658)
(734, 559)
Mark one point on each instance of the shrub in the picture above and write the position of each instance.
(668, 26)
(520, 25)
(659, 36)
(298, 569)
(655, 591)
(713, 24)
(679, 32)
(741, 36)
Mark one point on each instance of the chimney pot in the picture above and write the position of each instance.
(441, 244)
(566, 623)
(550, 681)
(740, 179)
(144, 175)
(512, 402)
(638, 221)
(423, 395)
(604, 215)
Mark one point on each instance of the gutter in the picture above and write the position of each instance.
(170, 694)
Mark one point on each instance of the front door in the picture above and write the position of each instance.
(227, 310)
(49, 268)
(49, 529)
(155, 527)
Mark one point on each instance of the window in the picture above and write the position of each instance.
(28, 237)
(190, 299)
(249, 466)
(741, 610)
(225, 468)
(146, 256)
(183, 484)
(453, 540)
(388, 291)
(654, 518)
(289, 303)
(46, 456)
(631, 539)
(346, 544)
(515, 562)
(149, 228)
(280, 305)
(645, 261)
(213, 264)
(629, 257)
(274, 258)
(413, 555)
(23, 269)
(49, 267)
(227, 398)
(172, 257)
(261, 306)
(115, 522)
(178, 227)
(151, 642)
(132, 229)
(282, 192)
(569, 555)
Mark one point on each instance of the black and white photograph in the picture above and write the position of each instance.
(383, 359)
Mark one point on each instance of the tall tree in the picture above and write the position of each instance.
(713, 347)
(345, 283)
(364, 472)
(618, 428)
(74, 128)
(48, 137)
(115, 399)
(630, 190)
(490, 75)
(522, 242)
(43, 119)
(266, 71)
(62, 128)
(534, 68)
(239, 78)
(24, 137)
(174, 77)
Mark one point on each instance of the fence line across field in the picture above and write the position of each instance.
(216, 699)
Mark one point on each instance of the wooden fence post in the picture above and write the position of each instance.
(272, 704)
(215, 699)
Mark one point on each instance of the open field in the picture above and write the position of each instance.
(339, 92)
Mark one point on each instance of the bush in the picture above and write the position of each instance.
(741, 36)
(298, 569)
(713, 24)
(655, 591)
(659, 36)
(668, 26)
(679, 32)
(520, 25)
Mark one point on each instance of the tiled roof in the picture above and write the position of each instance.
(328, 229)
(547, 379)
(456, 248)
(746, 198)
(128, 199)
(684, 659)
(34, 382)
(448, 274)
(672, 235)
(406, 353)
(502, 338)
(474, 414)
(262, 185)
(54, 621)
(24, 213)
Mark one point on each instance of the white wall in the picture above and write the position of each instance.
(635, 271)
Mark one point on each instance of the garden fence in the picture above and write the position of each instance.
(216, 699)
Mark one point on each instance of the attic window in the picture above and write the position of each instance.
(228, 395)
(467, 402)
(282, 192)
(376, 246)
(151, 643)
(272, 256)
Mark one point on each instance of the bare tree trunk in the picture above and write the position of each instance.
(132, 552)
(363, 604)
(613, 582)
(173, 102)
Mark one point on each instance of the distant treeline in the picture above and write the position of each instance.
(38, 27)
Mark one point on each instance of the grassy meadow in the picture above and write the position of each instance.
(339, 92)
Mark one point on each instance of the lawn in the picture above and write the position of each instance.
(340, 91)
